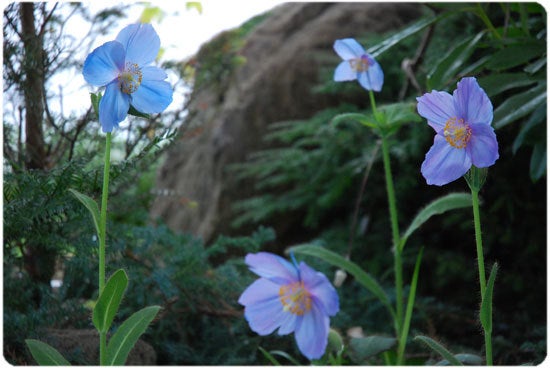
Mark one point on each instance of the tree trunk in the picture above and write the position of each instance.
(33, 69)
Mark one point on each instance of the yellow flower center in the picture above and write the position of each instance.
(360, 64)
(457, 132)
(295, 298)
(130, 78)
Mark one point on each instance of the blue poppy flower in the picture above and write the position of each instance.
(292, 298)
(357, 64)
(123, 67)
(464, 135)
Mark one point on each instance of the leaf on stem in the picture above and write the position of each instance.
(109, 301)
(365, 347)
(127, 335)
(440, 349)
(335, 259)
(44, 354)
(437, 207)
(91, 205)
(486, 312)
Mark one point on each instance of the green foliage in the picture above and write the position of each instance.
(44, 354)
(109, 300)
(440, 349)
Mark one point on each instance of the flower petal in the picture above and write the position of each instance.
(259, 291)
(113, 107)
(344, 72)
(266, 316)
(483, 145)
(272, 267)
(312, 333)
(472, 103)
(373, 78)
(141, 42)
(104, 64)
(348, 48)
(153, 73)
(320, 289)
(444, 163)
(437, 107)
(289, 321)
(152, 96)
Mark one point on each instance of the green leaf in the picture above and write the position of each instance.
(452, 62)
(519, 105)
(516, 54)
(438, 348)
(150, 13)
(268, 356)
(91, 205)
(127, 335)
(486, 312)
(132, 111)
(528, 129)
(385, 45)
(95, 102)
(365, 347)
(410, 305)
(467, 359)
(497, 83)
(537, 166)
(335, 259)
(108, 302)
(361, 118)
(44, 354)
(441, 205)
(194, 5)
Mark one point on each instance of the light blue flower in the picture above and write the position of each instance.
(123, 67)
(464, 135)
(290, 297)
(357, 64)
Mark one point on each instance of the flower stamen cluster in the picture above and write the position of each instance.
(295, 298)
(457, 132)
(130, 78)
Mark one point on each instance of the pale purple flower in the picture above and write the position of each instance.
(123, 67)
(357, 64)
(464, 136)
(290, 297)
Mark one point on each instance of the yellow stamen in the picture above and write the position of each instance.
(130, 78)
(457, 132)
(295, 298)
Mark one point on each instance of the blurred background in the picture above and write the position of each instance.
(246, 159)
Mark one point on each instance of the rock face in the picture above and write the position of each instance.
(283, 56)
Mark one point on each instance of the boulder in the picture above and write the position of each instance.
(228, 117)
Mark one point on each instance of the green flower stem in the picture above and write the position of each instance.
(481, 267)
(102, 239)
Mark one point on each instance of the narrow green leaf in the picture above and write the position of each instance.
(124, 339)
(486, 312)
(335, 259)
(361, 118)
(132, 111)
(516, 54)
(268, 356)
(496, 83)
(449, 202)
(537, 118)
(285, 355)
(453, 61)
(519, 105)
(365, 347)
(385, 45)
(91, 205)
(108, 302)
(537, 166)
(438, 348)
(410, 305)
(44, 354)
(95, 98)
